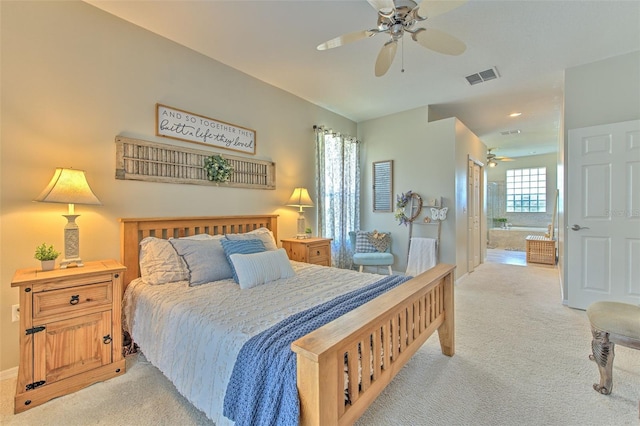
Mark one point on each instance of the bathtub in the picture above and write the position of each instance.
(513, 238)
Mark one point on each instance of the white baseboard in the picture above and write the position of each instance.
(9, 373)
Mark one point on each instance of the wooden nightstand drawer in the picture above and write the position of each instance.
(68, 300)
(319, 253)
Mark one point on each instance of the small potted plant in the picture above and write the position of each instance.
(502, 221)
(47, 256)
(307, 232)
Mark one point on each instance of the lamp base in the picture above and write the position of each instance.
(71, 243)
(301, 226)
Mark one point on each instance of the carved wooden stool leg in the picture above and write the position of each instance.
(603, 353)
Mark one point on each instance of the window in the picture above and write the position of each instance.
(527, 190)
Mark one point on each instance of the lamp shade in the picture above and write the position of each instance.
(68, 186)
(300, 198)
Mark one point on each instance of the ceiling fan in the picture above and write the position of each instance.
(395, 17)
(492, 159)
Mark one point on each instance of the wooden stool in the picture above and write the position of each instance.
(611, 323)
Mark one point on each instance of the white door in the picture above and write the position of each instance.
(603, 214)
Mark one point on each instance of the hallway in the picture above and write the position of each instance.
(508, 257)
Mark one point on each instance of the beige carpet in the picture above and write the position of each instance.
(521, 359)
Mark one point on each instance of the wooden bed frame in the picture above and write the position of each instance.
(401, 320)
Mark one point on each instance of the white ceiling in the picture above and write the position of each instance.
(530, 43)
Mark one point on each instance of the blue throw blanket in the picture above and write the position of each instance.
(262, 389)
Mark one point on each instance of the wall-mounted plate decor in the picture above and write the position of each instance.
(383, 186)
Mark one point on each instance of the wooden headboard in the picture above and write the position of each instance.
(134, 230)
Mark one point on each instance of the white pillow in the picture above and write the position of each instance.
(260, 268)
(262, 234)
(159, 262)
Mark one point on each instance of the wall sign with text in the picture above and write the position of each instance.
(185, 126)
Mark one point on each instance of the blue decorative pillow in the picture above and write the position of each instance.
(262, 234)
(205, 259)
(240, 247)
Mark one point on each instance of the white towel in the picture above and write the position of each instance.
(422, 255)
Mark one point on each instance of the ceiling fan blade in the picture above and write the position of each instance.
(346, 38)
(384, 6)
(385, 57)
(433, 8)
(439, 41)
(504, 159)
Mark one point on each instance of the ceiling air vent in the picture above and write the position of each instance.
(482, 76)
(510, 132)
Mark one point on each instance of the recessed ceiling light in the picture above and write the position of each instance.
(515, 114)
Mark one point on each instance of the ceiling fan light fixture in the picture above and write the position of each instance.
(397, 16)
(492, 163)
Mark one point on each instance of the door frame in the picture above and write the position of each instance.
(480, 240)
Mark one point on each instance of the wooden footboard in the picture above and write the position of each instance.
(388, 329)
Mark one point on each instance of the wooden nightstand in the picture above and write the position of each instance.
(309, 250)
(70, 330)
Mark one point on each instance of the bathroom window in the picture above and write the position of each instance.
(527, 190)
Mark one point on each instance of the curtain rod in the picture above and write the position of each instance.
(321, 127)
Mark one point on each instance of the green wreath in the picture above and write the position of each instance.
(218, 168)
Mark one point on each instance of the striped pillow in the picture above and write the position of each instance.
(261, 268)
(240, 247)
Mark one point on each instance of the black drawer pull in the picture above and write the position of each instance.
(106, 339)
(74, 299)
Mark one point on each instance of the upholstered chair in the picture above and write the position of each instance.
(372, 249)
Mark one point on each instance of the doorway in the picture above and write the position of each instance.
(499, 248)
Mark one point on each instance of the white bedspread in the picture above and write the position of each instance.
(193, 334)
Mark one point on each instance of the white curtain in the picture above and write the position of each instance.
(338, 185)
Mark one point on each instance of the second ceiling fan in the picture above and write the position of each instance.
(395, 17)
(492, 158)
